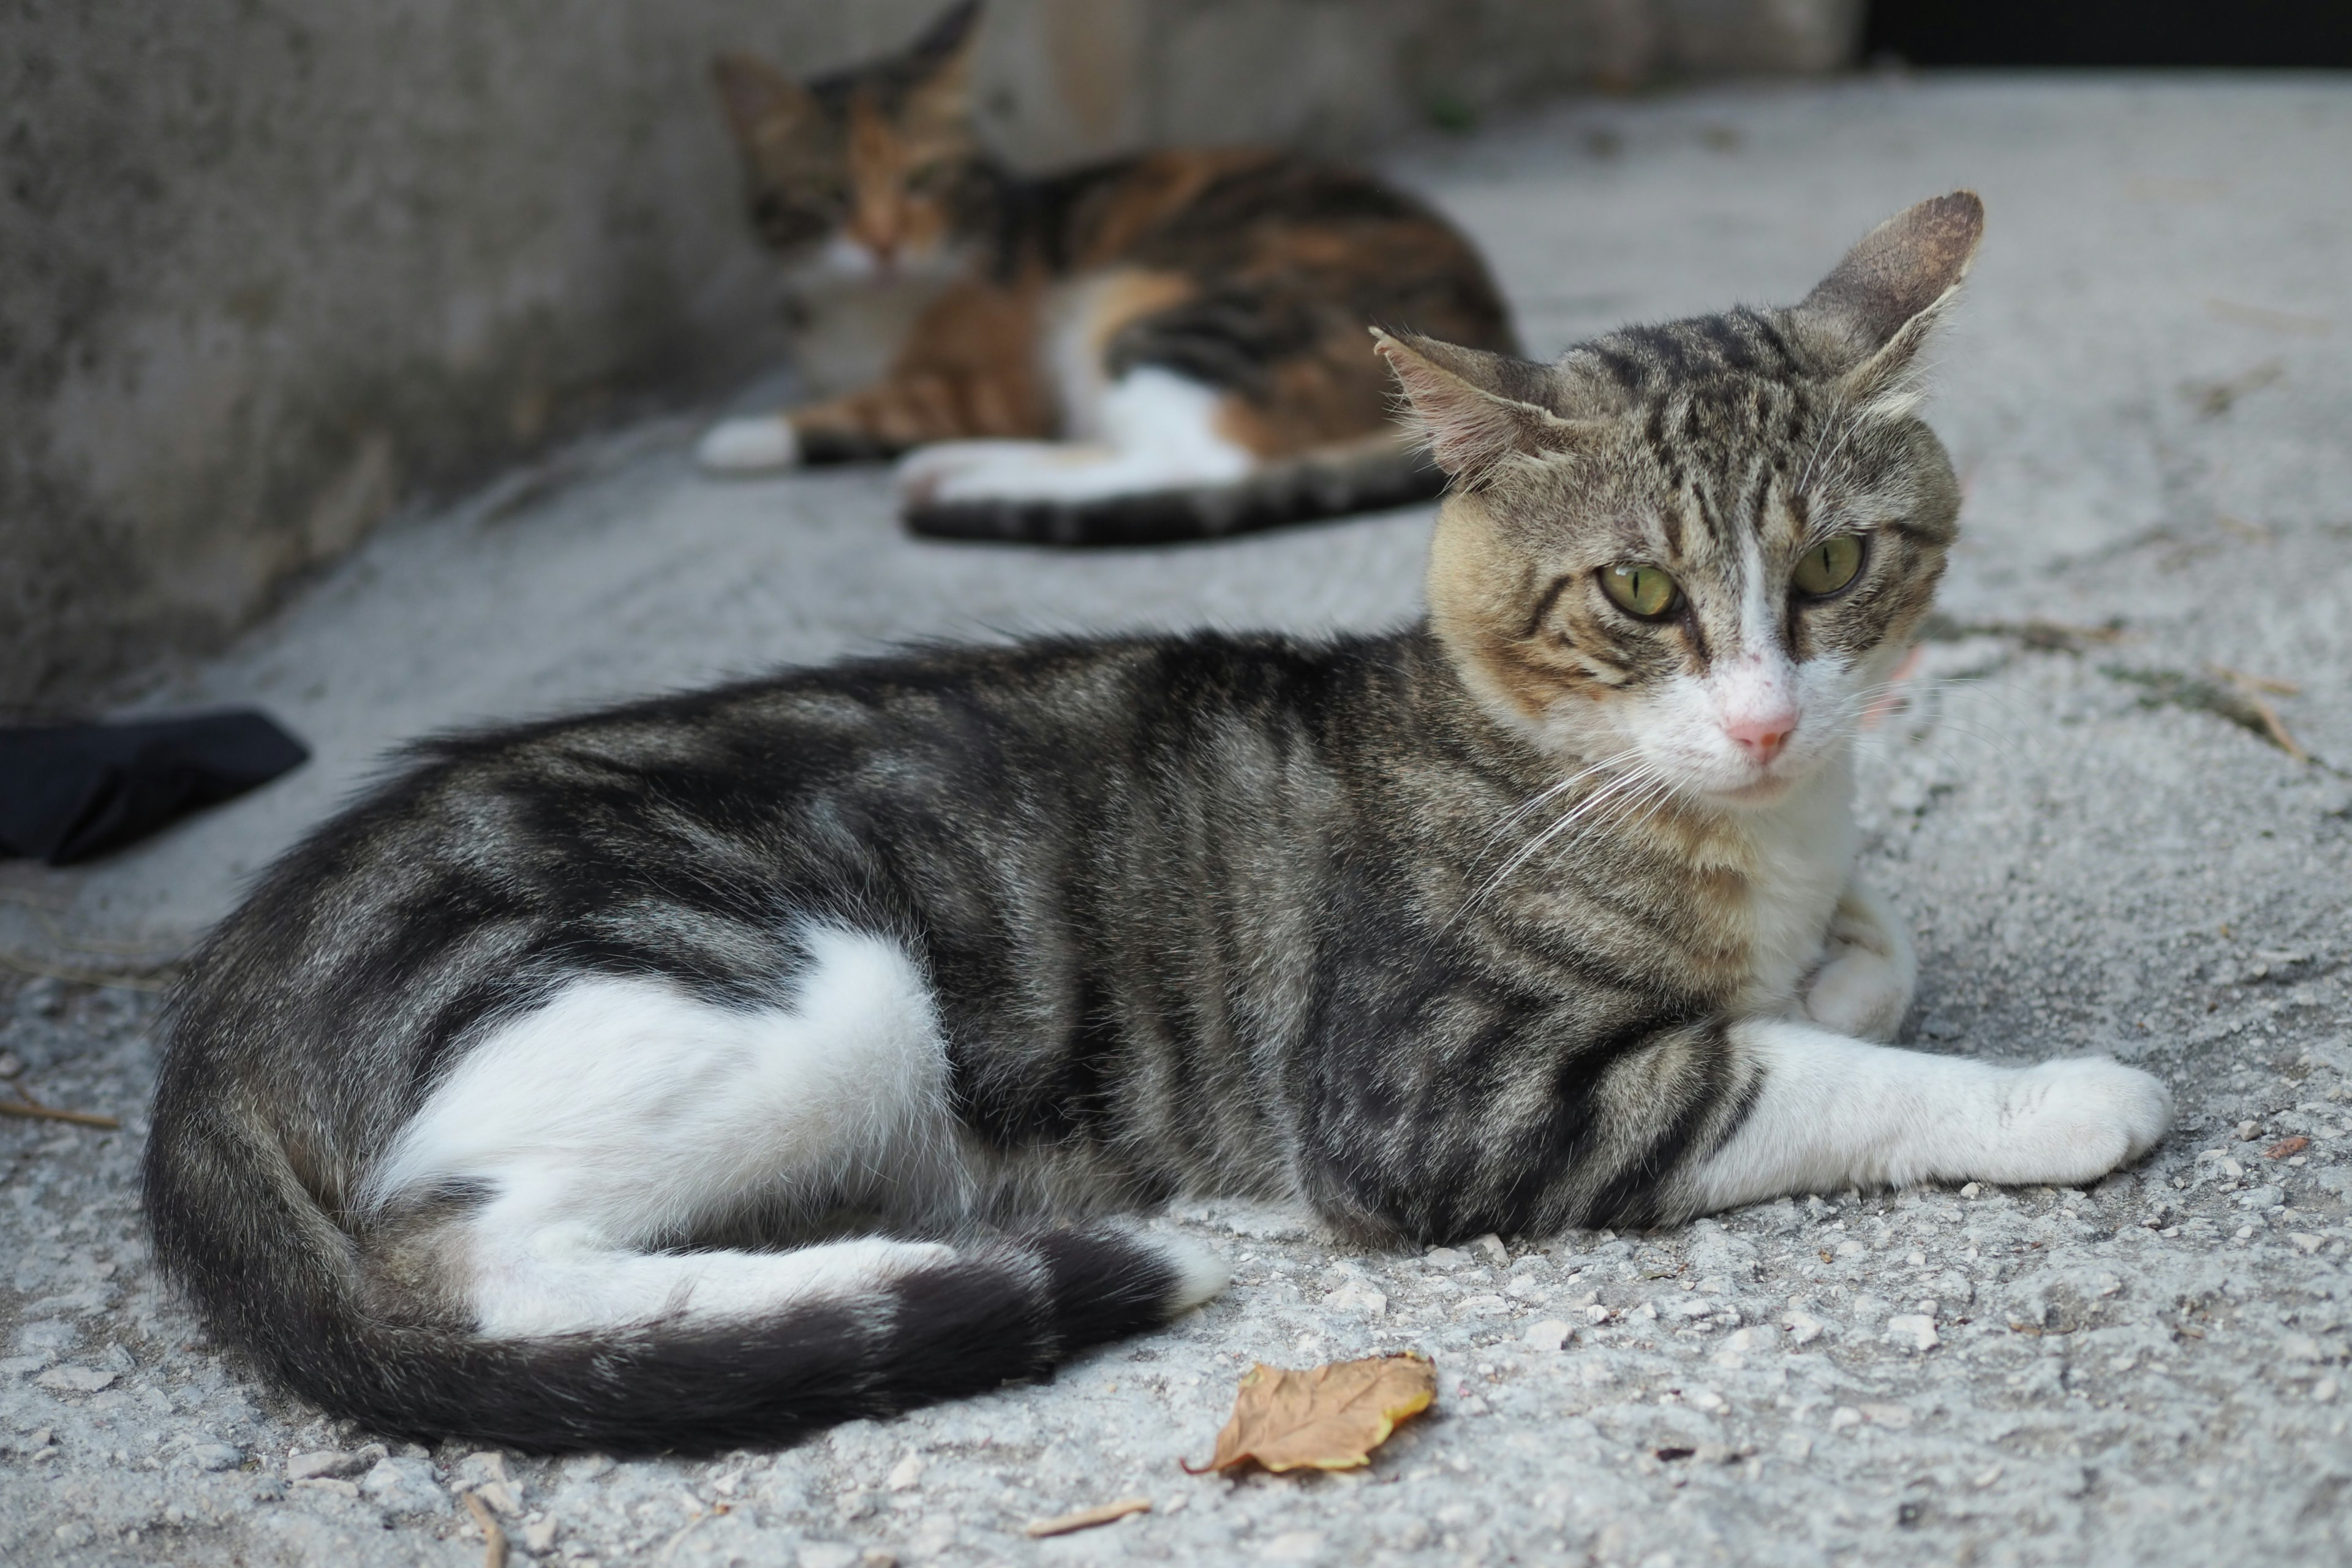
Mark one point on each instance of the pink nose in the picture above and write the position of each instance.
(1762, 737)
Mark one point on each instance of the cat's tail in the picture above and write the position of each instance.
(1368, 475)
(273, 1272)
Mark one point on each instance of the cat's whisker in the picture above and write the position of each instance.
(1592, 803)
(1551, 792)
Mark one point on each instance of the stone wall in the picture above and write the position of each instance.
(269, 271)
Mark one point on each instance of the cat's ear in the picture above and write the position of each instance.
(948, 39)
(764, 105)
(940, 101)
(1472, 408)
(1871, 316)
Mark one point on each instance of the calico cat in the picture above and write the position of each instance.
(700, 1071)
(1159, 347)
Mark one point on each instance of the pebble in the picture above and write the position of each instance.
(11, 1064)
(403, 1486)
(1548, 1335)
(215, 1456)
(1897, 1416)
(906, 1474)
(1445, 1257)
(1803, 1328)
(2305, 1240)
(75, 1379)
(1491, 1247)
(1916, 1331)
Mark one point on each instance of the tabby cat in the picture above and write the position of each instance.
(1158, 347)
(696, 1072)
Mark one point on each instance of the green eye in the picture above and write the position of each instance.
(1828, 565)
(1643, 591)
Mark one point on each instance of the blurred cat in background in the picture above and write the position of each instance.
(1163, 346)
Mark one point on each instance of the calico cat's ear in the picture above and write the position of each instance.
(949, 37)
(938, 103)
(1870, 315)
(764, 105)
(1474, 409)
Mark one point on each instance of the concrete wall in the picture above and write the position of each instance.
(270, 270)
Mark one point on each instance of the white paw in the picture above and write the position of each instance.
(2069, 1122)
(1859, 993)
(749, 445)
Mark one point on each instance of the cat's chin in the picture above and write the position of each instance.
(1767, 791)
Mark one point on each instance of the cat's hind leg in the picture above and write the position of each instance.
(598, 1132)
(1828, 1111)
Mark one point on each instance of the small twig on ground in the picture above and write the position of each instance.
(494, 1536)
(2251, 688)
(2233, 698)
(2035, 636)
(26, 1106)
(1087, 1518)
(2259, 682)
(19, 963)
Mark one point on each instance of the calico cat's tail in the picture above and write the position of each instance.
(274, 1273)
(1369, 475)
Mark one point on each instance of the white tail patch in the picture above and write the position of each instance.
(608, 1122)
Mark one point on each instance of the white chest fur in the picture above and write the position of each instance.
(846, 331)
(1802, 849)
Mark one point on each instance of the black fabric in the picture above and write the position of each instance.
(71, 790)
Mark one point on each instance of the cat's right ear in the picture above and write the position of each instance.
(1471, 406)
(764, 105)
(1870, 315)
(948, 37)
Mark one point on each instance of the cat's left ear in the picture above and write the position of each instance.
(941, 60)
(1871, 315)
(949, 37)
(1474, 409)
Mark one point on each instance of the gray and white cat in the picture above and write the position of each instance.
(698, 1072)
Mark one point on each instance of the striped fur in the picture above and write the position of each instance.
(1460, 928)
(1250, 274)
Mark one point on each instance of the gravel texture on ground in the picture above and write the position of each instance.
(2109, 823)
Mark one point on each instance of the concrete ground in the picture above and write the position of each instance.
(2118, 813)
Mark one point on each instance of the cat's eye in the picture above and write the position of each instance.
(1639, 590)
(1828, 565)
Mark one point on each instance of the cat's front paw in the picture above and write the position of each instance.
(2070, 1122)
(1859, 993)
(755, 446)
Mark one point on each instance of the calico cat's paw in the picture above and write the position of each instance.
(2068, 1122)
(754, 446)
(1858, 993)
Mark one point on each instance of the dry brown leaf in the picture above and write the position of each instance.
(1325, 1419)
(2286, 1146)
